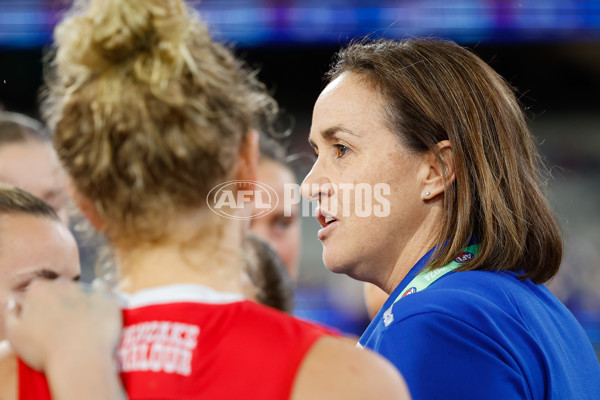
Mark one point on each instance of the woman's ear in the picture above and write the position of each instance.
(86, 206)
(248, 158)
(434, 183)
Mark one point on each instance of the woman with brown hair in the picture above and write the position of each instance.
(28, 161)
(467, 239)
(149, 115)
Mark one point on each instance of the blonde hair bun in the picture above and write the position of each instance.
(148, 112)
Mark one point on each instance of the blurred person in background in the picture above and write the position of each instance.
(273, 244)
(149, 115)
(34, 244)
(283, 234)
(468, 238)
(28, 161)
(281, 231)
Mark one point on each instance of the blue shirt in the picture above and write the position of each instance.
(484, 335)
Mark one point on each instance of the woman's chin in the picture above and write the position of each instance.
(335, 263)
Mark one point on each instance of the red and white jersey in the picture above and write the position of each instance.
(192, 342)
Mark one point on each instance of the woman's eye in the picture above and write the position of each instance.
(341, 150)
(281, 222)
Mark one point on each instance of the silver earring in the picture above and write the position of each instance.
(427, 193)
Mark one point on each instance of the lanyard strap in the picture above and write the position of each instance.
(426, 278)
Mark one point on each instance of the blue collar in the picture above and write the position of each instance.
(414, 271)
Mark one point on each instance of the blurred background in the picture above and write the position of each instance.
(548, 50)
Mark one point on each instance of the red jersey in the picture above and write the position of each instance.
(191, 342)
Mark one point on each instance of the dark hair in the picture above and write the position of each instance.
(17, 128)
(268, 274)
(14, 200)
(436, 90)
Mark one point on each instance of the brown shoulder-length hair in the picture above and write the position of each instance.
(436, 90)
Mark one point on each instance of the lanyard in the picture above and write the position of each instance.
(424, 279)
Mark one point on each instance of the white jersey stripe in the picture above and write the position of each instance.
(189, 293)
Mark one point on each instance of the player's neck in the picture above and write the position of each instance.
(416, 246)
(210, 255)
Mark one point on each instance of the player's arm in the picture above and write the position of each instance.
(96, 378)
(70, 334)
(335, 369)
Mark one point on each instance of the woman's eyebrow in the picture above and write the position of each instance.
(328, 133)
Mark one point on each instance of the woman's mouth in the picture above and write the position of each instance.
(327, 221)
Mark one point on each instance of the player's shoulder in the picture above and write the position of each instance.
(334, 368)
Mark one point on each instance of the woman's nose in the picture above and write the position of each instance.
(313, 187)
